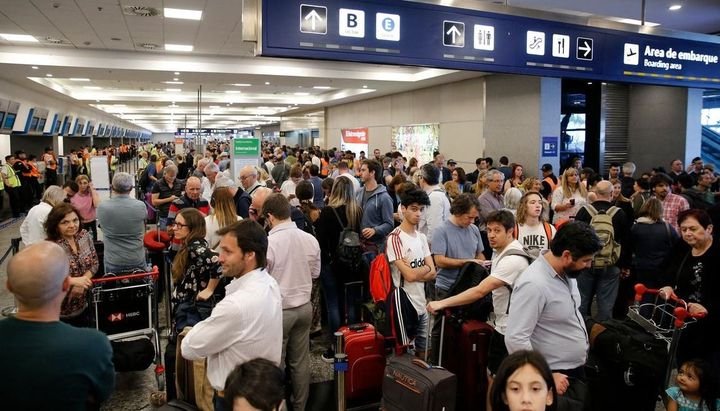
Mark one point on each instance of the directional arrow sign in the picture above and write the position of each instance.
(313, 19)
(584, 49)
(453, 34)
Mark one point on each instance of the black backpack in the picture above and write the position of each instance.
(349, 248)
(470, 275)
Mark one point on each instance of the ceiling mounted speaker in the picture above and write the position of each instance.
(149, 46)
(142, 11)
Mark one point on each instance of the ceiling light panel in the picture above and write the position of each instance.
(19, 37)
(178, 47)
(184, 14)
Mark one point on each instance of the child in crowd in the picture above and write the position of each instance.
(695, 389)
(523, 382)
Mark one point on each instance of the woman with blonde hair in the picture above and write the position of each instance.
(531, 184)
(531, 228)
(223, 214)
(342, 211)
(481, 184)
(569, 196)
(86, 202)
(195, 270)
(452, 189)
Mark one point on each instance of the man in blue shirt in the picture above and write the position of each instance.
(544, 311)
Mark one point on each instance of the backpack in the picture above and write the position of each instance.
(143, 179)
(601, 222)
(403, 317)
(470, 275)
(349, 248)
(380, 278)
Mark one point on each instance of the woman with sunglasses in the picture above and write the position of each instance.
(195, 270)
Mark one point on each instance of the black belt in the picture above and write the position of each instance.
(577, 373)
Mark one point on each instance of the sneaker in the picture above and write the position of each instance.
(328, 356)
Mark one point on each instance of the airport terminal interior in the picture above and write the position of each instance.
(545, 83)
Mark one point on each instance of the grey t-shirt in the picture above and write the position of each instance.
(122, 220)
(454, 241)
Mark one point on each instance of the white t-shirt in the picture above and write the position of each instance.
(415, 248)
(534, 239)
(507, 270)
(212, 225)
(288, 188)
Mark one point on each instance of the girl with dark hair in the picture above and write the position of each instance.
(195, 270)
(523, 382)
(516, 177)
(63, 227)
(695, 390)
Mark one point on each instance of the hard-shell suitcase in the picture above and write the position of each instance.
(467, 357)
(365, 350)
(410, 384)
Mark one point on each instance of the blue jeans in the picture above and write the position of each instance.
(162, 223)
(330, 291)
(219, 403)
(601, 283)
(421, 340)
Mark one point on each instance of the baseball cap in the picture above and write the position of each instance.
(223, 181)
(546, 167)
(451, 161)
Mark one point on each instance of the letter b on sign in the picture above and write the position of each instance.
(352, 23)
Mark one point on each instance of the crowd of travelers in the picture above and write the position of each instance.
(256, 264)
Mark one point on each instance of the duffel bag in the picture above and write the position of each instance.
(625, 345)
(133, 355)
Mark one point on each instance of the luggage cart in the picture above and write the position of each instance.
(664, 319)
(125, 307)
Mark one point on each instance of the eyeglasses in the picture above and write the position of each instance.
(176, 224)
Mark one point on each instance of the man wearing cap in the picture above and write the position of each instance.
(549, 181)
(451, 166)
(224, 163)
(240, 197)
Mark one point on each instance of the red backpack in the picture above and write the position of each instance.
(380, 278)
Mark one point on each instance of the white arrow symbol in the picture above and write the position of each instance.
(453, 32)
(586, 48)
(314, 17)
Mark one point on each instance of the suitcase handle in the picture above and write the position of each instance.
(420, 363)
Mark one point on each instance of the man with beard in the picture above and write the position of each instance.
(544, 310)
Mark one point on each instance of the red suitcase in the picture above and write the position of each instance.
(467, 357)
(365, 350)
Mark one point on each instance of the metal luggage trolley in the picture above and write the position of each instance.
(125, 307)
(664, 319)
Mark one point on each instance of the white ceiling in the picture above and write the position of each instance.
(122, 55)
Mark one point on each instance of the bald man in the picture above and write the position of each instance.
(602, 280)
(47, 364)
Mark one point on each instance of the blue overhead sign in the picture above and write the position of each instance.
(410, 33)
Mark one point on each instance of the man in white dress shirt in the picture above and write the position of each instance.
(294, 261)
(248, 322)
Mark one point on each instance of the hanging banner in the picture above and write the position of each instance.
(419, 141)
(354, 139)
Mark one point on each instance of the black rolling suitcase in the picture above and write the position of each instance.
(411, 384)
